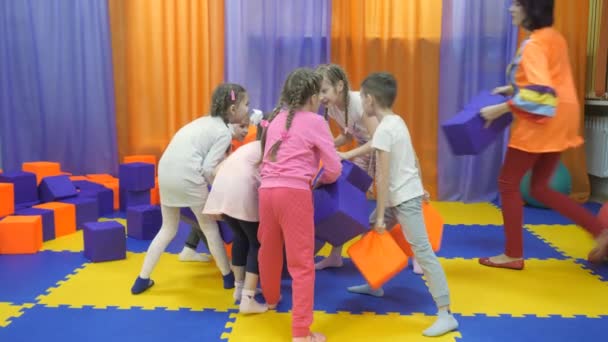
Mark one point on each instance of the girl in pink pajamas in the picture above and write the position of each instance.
(293, 143)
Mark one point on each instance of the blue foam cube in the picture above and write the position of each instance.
(466, 133)
(25, 184)
(130, 198)
(87, 209)
(84, 185)
(144, 222)
(54, 188)
(104, 241)
(105, 199)
(356, 176)
(136, 176)
(341, 212)
(48, 220)
(225, 230)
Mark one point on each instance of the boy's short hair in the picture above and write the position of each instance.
(382, 86)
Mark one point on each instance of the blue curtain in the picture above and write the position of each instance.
(56, 85)
(477, 43)
(267, 39)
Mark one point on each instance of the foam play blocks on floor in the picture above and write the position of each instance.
(155, 194)
(141, 158)
(225, 230)
(20, 234)
(54, 188)
(377, 257)
(144, 222)
(64, 215)
(48, 220)
(130, 198)
(105, 199)
(42, 169)
(434, 228)
(87, 209)
(466, 133)
(341, 212)
(356, 176)
(24, 186)
(7, 199)
(136, 176)
(104, 241)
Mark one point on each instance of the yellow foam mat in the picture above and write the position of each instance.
(9, 311)
(178, 285)
(571, 240)
(272, 326)
(458, 213)
(546, 287)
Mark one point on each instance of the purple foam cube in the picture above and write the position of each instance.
(341, 212)
(84, 185)
(55, 188)
(25, 184)
(26, 205)
(356, 176)
(105, 199)
(136, 176)
(466, 132)
(48, 220)
(87, 209)
(318, 245)
(104, 241)
(144, 221)
(130, 198)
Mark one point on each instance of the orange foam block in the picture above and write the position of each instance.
(65, 217)
(377, 257)
(7, 199)
(78, 178)
(113, 185)
(434, 228)
(42, 169)
(101, 177)
(228, 248)
(141, 158)
(20, 234)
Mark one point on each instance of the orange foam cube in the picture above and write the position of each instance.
(78, 178)
(65, 217)
(434, 228)
(42, 169)
(101, 177)
(7, 199)
(20, 234)
(155, 194)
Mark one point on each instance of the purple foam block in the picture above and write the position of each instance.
(25, 184)
(133, 198)
(136, 176)
(105, 199)
(48, 220)
(466, 132)
(104, 241)
(341, 212)
(318, 245)
(356, 176)
(54, 188)
(144, 221)
(84, 185)
(87, 209)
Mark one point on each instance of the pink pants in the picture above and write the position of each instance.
(286, 216)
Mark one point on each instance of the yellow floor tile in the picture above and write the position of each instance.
(571, 240)
(458, 213)
(177, 285)
(10, 311)
(545, 287)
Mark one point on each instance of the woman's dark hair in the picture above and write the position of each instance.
(539, 13)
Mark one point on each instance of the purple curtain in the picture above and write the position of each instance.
(477, 43)
(56, 85)
(267, 39)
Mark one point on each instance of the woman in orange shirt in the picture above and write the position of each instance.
(546, 123)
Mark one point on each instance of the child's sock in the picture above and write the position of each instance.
(444, 324)
(416, 267)
(141, 285)
(189, 254)
(249, 305)
(238, 289)
(329, 262)
(228, 281)
(366, 290)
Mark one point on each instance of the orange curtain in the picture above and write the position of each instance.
(401, 37)
(168, 57)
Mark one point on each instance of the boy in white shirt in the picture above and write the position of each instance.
(400, 194)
